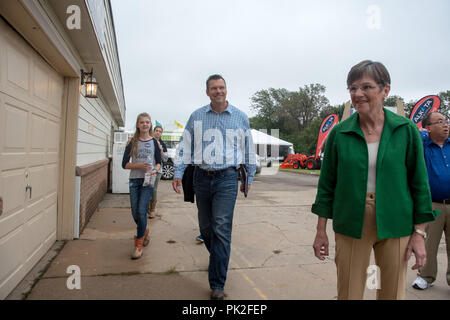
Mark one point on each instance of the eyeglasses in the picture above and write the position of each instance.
(441, 122)
(364, 88)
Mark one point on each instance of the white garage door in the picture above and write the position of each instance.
(30, 117)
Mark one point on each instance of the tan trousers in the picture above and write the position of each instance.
(353, 258)
(434, 230)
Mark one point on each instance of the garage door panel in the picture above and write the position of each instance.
(11, 221)
(51, 175)
(13, 190)
(47, 88)
(14, 129)
(35, 233)
(38, 128)
(34, 258)
(36, 159)
(51, 158)
(52, 136)
(36, 207)
(33, 209)
(56, 88)
(18, 68)
(51, 218)
(11, 247)
(15, 161)
(41, 82)
(38, 229)
(36, 180)
(31, 95)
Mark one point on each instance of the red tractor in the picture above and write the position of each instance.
(314, 162)
(295, 161)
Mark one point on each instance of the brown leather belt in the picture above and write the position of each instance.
(214, 172)
(445, 201)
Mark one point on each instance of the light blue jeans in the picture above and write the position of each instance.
(216, 197)
(139, 199)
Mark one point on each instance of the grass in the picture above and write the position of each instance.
(304, 171)
(172, 270)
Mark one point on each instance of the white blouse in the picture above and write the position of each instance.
(372, 176)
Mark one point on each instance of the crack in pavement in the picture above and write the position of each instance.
(174, 271)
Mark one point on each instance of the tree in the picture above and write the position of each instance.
(445, 103)
(308, 137)
(259, 122)
(288, 111)
(391, 101)
(267, 104)
(307, 103)
(337, 110)
(293, 113)
(409, 107)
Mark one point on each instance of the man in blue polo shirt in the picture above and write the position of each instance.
(436, 145)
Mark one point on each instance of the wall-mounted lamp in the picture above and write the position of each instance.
(91, 84)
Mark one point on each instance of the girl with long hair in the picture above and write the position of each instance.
(142, 149)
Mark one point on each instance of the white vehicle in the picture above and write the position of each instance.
(258, 164)
(168, 170)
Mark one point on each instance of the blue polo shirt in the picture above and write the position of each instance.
(437, 160)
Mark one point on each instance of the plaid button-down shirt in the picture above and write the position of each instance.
(216, 141)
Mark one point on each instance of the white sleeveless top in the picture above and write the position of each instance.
(372, 176)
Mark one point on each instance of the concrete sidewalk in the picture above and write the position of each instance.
(272, 256)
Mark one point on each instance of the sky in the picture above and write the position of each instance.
(168, 48)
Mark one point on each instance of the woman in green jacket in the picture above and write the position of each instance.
(374, 186)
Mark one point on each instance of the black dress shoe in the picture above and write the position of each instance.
(216, 294)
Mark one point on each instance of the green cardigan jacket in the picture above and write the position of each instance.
(403, 195)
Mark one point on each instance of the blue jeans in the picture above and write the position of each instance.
(139, 199)
(216, 197)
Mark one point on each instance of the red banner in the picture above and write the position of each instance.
(423, 107)
(327, 124)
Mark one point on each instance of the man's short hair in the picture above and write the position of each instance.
(158, 127)
(427, 120)
(214, 77)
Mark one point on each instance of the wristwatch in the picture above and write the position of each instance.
(422, 233)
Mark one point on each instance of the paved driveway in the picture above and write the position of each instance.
(271, 256)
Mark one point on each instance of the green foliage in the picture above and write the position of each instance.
(391, 101)
(409, 107)
(337, 110)
(308, 138)
(288, 111)
(445, 103)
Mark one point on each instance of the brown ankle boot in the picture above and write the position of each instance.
(146, 238)
(138, 244)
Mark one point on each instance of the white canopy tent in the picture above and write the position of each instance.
(270, 148)
(263, 138)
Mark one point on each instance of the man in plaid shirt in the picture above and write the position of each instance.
(209, 144)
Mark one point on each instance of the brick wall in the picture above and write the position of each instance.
(94, 184)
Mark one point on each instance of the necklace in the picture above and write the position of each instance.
(377, 125)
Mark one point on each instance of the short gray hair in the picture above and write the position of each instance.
(375, 70)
